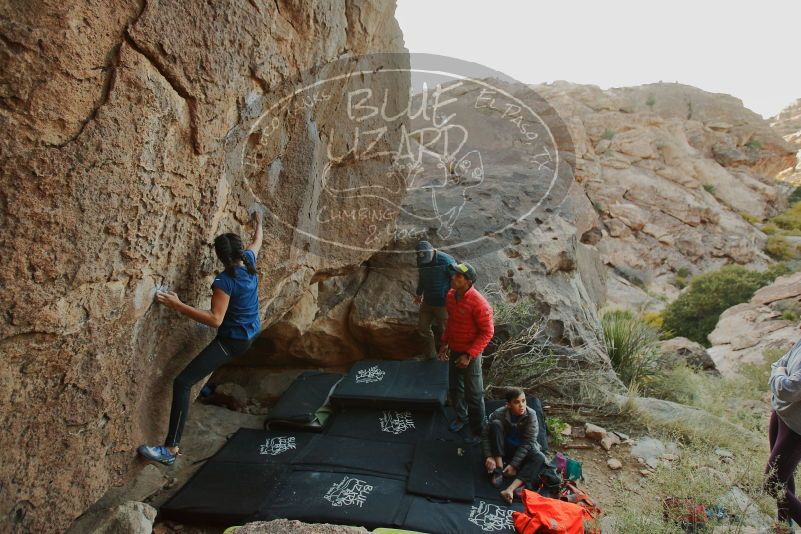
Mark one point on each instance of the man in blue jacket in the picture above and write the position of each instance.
(433, 283)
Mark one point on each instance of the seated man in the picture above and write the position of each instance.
(510, 446)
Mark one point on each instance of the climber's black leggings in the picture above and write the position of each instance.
(220, 351)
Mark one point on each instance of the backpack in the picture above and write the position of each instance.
(568, 467)
(550, 482)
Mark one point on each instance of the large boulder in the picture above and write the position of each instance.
(745, 331)
(680, 350)
(128, 518)
(133, 134)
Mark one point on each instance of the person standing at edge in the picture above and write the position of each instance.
(433, 283)
(784, 435)
(234, 312)
(467, 332)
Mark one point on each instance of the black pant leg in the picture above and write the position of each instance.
(496, 438)
(218, 352)
(474, 395)
(530, 467)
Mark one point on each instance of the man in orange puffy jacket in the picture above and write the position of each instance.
(468, 331)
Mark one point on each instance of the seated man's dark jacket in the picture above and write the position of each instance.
(528, 427)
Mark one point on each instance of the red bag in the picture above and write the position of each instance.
(549, 516)
(571, 493)
(686, 512)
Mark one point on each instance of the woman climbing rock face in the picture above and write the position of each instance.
(234, 312)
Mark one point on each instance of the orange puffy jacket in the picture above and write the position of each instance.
(549, 516)
(469, 328)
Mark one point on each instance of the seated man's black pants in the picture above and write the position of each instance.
(532, 464)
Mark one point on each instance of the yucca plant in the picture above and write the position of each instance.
(631, 344)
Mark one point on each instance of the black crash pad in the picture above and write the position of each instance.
(225, 493)
(354, 455)
(339, 498)
(442, 470)
(393, 384)
(300, 403)
(264, 446)
(479, 517)
(397, 426)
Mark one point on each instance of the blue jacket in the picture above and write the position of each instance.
(434, 279)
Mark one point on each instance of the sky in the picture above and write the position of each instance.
(751, 50)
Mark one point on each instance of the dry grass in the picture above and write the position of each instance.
(700, 474)
(533, 361)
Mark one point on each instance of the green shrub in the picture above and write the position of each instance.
(795, 196)
(650, 102)
(790, 309)
(709, 188)
(695, 312)
(653, 319)
(752, 219)
(789, 221)
(555, 427)
(778, 248)
(684, 272)
(754, 144)
(631, 344)
(770, 229)
(608, 134)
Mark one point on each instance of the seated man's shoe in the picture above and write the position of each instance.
(497, 478)
(472, 440)
(157, 453)
(456, 425)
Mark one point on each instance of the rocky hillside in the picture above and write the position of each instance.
(677, 176)
(788, 125)
(134, 133)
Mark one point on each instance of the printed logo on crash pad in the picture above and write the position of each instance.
(491, 517)
(349, 492)
(396, 422)
(369, 375)
(278, 445)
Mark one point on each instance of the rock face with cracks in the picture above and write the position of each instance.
(132, 138)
